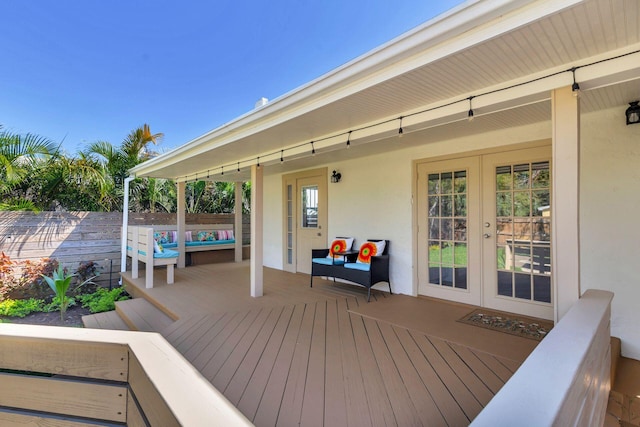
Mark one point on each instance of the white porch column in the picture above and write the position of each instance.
(565, 205)
(181, 216)
(256, 231)
(238, 222)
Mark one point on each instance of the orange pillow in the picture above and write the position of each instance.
(339, 245)
(369, 249)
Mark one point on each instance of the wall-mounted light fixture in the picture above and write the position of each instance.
(633, 113)
(336, 177)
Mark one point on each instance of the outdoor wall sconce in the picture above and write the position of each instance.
(336, 177)
(633, 113)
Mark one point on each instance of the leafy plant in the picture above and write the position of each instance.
(59, 283)
(103, 299)
(58, 303)
(20, 308)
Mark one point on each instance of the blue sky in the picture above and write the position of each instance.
(87, 70)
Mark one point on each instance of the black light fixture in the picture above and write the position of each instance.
(336, 177)
(470, 113)
(575, 87)
(400, 130)
(349, 140)
(633, 113)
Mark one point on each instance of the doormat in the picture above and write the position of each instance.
(513, 324)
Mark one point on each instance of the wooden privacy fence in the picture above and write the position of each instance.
(73, 237)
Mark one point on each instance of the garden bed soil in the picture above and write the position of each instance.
(72, 318)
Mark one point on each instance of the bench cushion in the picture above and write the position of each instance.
(166, 254)
(358, 266)
(327, 261)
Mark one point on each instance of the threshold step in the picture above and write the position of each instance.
(106, 320)
(140, 315)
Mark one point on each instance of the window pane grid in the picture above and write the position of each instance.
(523, 231)
(447, 234)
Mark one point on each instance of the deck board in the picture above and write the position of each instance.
(323, 356)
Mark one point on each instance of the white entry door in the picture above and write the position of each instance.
(305, 221)
(484, 231)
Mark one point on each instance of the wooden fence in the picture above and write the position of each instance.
(72, 237)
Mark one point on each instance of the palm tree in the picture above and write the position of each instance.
(20, 156)
(135, 146)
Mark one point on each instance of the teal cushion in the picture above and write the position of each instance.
(170, 245)
(357, 266)
(167, 254)
(327, 261)
(210, 242)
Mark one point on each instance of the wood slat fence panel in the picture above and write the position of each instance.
(74, 237)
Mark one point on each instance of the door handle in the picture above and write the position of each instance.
(486, 235)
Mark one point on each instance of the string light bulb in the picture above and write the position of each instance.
(281, 156)
(238, 167)
(349, 140)
(575, 87)
(258, 165)
(400, 130)
(208, 173)
(313, 149)
(470, 113)
(222, 167)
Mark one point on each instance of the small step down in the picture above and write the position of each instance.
(106, 320)
(140, 315)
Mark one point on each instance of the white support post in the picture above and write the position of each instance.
(181, 218)
(238, 222)
(565, 205)
(125, 226)
(256, 231)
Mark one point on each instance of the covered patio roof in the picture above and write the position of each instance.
(507, 56)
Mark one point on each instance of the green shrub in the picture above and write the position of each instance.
(103, 299)
(20, 308)
(59, 304)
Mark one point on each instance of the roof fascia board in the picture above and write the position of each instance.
(462, 27)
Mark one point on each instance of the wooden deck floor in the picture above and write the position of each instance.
(324, 356)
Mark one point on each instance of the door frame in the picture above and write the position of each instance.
(323, 175)
(454, 156)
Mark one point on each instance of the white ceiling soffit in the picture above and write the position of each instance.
(475, 48)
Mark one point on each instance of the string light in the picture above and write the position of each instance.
(258, 166)
(238, 167)
(208, 173)
(575, 87)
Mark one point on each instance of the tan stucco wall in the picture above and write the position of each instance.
(610, 210)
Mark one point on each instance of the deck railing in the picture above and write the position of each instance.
(565, 380)
(75, 376)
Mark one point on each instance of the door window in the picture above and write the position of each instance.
(309, 198)
(523, 231)
(447, 228)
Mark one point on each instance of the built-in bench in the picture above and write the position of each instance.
(345, 267)
(198, 237)
(140, 247)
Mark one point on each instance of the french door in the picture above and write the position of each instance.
(484, 231)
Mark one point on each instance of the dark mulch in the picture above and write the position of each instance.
(72, 318)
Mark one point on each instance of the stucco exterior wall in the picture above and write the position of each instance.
(610, 210)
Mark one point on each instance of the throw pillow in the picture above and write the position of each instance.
(369, 249)
(157, 248)
(188, 236)
(340, 245)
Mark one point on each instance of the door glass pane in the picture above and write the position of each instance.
(447, 221)
(309, 198)
(523, 231)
